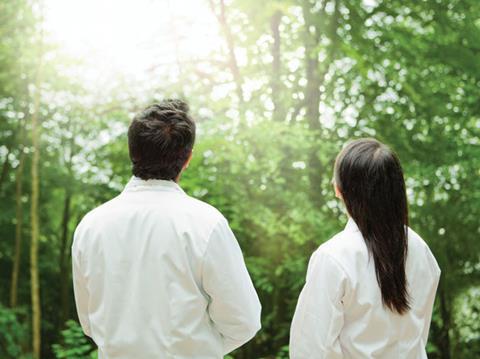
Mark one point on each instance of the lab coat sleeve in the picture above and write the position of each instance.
(318, 318)
(435, 273)
(80, 287)
(234, 307)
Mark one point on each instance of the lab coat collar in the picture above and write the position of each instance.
(351, 225)
(138, 184)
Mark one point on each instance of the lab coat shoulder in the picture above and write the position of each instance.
(99, 213)
(344, 247)
(420, 251)
(329, 263)
(204, 211)
(89, 220)
(204, 218)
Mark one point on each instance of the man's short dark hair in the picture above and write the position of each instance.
(160, 140)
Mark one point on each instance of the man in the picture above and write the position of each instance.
(159, 274)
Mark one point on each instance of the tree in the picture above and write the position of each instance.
(221, 15)
(19, 222)
(34, 275)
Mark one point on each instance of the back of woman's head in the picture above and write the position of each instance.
(370, 180)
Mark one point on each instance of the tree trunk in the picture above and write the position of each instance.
(312, 102)
(315, 78)
(5, 168)
(18, 229)
(34, 276)
(64, 254)
(232, 58)
(35, 290)
(176, 42)
(276, 81)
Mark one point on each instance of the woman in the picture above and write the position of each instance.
(370, 289)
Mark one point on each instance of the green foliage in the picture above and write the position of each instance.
(404, 71)
(15, 333)
(467, 318)
(74, 344)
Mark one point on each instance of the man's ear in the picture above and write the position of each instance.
(338, 194)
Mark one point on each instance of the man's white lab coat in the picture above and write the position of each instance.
(159, 274)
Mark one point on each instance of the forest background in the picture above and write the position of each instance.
(276, 87)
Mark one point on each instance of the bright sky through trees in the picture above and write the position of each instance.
(131, 37)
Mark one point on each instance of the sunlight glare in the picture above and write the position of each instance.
(130, 38)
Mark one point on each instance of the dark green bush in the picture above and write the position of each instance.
(14, 333)
(74, 344)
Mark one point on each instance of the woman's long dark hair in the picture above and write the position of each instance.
(370, 179)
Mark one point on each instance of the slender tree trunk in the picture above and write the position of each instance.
(232, 62)
(276, 81)
(176, 41)
(64, 254)
(312, 103)
(315, 78)
(22, 140)
(35, 290)
(18, 229)
(5, 168)
(34, 276)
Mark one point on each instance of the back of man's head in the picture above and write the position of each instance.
(160, 140)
